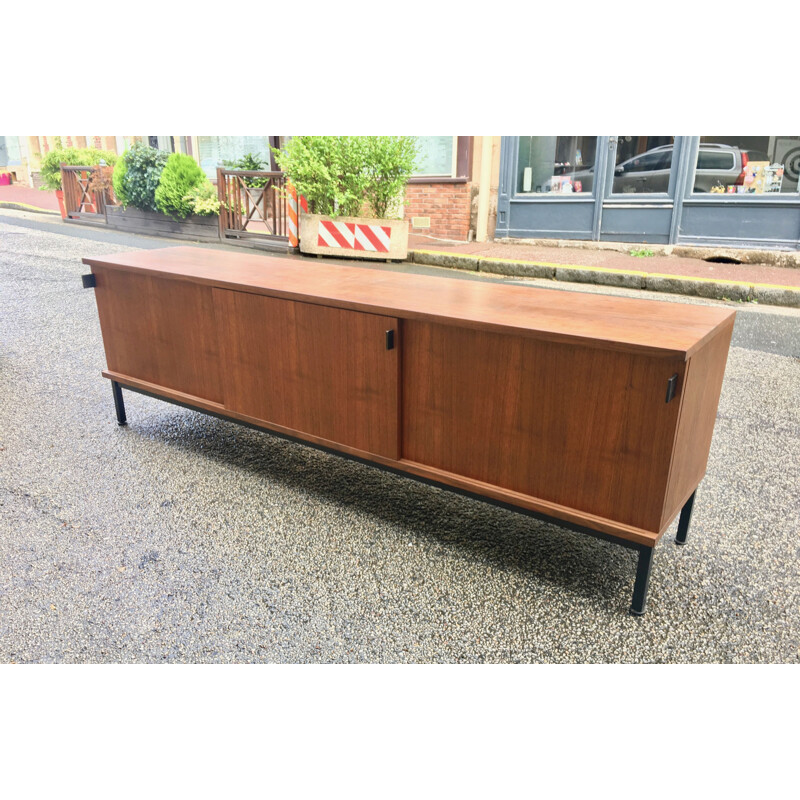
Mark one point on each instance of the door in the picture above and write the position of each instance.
(328, 373)
(582, 427)
(639, 188)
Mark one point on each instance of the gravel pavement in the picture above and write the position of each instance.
(183, 538)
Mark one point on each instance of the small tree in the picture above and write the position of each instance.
(181, 174)
(250, 162)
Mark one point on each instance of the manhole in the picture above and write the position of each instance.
(722, 260)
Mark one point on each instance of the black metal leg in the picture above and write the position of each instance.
(119, 403)
(642, 580)
(685, 519)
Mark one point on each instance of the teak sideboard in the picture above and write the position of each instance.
(590, 410)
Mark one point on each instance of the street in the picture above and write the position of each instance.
(184, 538)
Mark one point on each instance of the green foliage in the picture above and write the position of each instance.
(642, 253)
(74, 156)
(328, 171)
(390, 162)
(135, 184)
(203, 199)
(338, 175)
(119, 181)
(252, 162)
(181, 174)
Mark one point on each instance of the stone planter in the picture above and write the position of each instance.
(194, 228)
(354, 237)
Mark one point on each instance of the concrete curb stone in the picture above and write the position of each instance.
(25, 207)
(435, 259)
(524, 269)
(672, 284)
(627, 280)
(776, 295)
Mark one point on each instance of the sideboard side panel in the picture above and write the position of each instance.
(160, 330)
(699, 403)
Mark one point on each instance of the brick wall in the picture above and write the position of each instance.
(447, 204)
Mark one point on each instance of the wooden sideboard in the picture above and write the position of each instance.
(592, 410)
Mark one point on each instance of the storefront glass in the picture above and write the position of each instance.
(643, 164)
(556, 164)
(749, 165)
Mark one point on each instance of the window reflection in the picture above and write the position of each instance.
(643, 164)
(747, 165)
(556, 164)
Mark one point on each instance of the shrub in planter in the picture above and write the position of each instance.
(389, 162)
(251, 162)
(181, 174)
(74, 156)
(359, 181)
(328, 171)
(119, 179)
(203, 199)
(101, 181)
(136, 176)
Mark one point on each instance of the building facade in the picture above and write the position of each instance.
(442, 199)
(728, 191)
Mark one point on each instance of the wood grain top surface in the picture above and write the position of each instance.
(620, 323)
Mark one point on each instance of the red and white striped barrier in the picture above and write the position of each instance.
(294, 234)
(354, 236)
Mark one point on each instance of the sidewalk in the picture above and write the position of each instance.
(583, 263)
(27, 199)
(675, 274)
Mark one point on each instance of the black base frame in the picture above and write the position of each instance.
(645, 560)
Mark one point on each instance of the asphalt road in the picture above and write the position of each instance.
(183, 538)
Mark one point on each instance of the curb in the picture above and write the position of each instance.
(26, 207)
(741, 291)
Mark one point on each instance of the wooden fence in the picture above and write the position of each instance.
(79, 201)
(253, 216)
(248, 211)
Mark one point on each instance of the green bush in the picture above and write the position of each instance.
(390, 162)
(338, 175)
(74, 156)
(203, 199)
(328, 171)
(181, 174)
(119, 179)
(136, 181)
(251, 162)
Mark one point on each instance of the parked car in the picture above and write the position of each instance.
(649, 172)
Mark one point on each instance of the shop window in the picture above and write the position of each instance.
(10, 151)
(443, 159)
(643, 164)
(213, 150)
(556, 164)
(435, 155)
(750, 165)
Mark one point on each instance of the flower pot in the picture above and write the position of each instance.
(61, 206)
(354, 237)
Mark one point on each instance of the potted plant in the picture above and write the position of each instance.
(354, 188)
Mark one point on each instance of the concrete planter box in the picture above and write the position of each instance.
(354, 237)
(153, 223)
